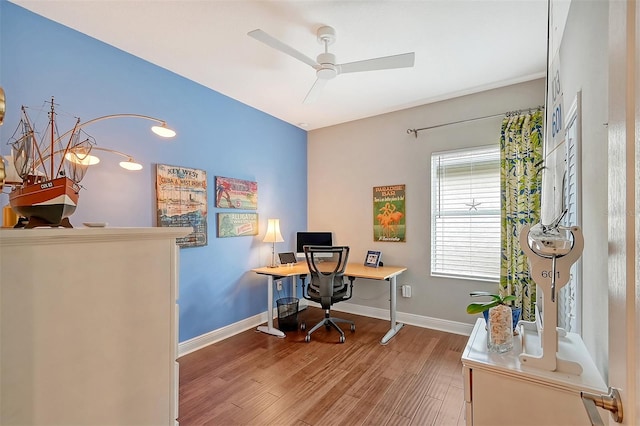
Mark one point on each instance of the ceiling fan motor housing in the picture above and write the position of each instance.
(328, 69)
(326, 35)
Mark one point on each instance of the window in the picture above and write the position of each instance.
(465, 215)
(569, 296)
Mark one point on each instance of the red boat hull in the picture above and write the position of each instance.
(49, 201)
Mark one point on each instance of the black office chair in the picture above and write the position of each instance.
(327, 285)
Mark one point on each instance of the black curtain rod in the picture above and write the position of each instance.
(506, 114)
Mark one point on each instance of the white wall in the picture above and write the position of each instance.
(346, 161)
(583, 58)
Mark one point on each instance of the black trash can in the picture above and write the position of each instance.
(287, 313)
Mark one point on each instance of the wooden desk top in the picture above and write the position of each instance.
(357, 270)
(299, 268)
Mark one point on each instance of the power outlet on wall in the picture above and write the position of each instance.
(406, 290)
(279, 285)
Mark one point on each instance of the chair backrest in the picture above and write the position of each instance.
(327, 274)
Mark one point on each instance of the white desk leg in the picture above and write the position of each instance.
(294, 286)
(395, 326)
(269, 328)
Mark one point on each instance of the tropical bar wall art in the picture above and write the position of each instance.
(389, 218)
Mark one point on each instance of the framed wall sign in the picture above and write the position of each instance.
(389, 221)
(373, 258)
(236, 193)
(237, 224)
(181, 200)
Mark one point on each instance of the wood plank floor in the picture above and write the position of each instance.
(256, 379)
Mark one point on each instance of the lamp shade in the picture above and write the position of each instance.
(163, 131)
(273, 234)
(80, 156)
(130, 165)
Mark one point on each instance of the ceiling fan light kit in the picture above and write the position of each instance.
(326, 65)
(327, 68)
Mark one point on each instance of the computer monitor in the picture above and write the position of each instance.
(312, 239)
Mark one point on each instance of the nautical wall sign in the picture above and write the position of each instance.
(181, 196)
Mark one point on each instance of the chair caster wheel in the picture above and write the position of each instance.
(307, 338)
(303, 326)
(353, 327)
(341, 339)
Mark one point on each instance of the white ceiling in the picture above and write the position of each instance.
(461, 47)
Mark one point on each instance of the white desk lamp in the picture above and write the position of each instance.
(273, 236)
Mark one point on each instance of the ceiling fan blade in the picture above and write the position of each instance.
(404, 60)
(284, 48)
(315, 90)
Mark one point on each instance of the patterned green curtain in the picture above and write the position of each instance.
(521, 155)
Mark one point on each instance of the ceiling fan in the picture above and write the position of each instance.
(326, 66)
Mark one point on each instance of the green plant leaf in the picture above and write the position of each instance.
(480, 293)
(496, 299)
(476, 308)
(509, 298)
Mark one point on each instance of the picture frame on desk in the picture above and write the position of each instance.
(287, 258)
(373, 258)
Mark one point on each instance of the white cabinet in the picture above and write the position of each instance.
(499, 390)
(88, 324)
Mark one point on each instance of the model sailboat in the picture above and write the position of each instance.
(49, 170)
(50, 186)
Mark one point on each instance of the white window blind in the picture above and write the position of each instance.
(465, 217)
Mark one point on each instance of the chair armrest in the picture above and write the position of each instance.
(305, 293)
(350, 292)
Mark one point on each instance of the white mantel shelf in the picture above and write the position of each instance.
(21, 236)
(89, 326)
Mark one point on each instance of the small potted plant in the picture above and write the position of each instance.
(499, 317)
(496, 299)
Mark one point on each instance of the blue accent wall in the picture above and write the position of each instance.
(88, 78)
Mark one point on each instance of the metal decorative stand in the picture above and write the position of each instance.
(550, 256)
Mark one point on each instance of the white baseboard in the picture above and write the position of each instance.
(405, 318)
(214, 336)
